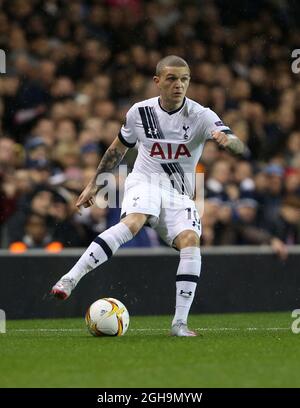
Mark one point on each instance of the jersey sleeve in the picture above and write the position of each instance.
(210, 122)
(127, 133)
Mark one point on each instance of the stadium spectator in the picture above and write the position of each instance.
(39, 202)
(75, 69)
(36, 233)
(286, 225)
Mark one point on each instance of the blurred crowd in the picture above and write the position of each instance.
(74, 68)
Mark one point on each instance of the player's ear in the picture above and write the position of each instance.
(156, 79)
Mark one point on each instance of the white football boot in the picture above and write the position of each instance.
(180, 329)
(63, 288)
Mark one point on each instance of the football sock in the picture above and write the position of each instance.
(186, 281)
(100, 250)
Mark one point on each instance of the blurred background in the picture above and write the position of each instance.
(74, 68)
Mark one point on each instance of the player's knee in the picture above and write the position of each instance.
(187, 239)
(134, 222)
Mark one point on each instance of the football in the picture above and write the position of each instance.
(107, 317)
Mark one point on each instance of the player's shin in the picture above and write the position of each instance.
(100, 250)
(186, 282)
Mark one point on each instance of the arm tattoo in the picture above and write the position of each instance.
(235, 146)
(110, 160)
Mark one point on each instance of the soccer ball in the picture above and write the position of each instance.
(107, 317)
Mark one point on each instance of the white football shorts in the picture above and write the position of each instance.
(170, 212)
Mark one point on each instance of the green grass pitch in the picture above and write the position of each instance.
(234, 350)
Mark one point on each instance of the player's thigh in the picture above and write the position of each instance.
(135, 221)
(140, 197)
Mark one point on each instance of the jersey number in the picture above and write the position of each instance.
(194, 217)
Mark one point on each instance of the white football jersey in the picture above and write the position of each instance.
(170, 143)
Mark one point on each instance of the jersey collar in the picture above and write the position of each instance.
(173, 111)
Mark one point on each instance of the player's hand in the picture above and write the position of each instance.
(220, 137)
(279, 248)
(86, 198)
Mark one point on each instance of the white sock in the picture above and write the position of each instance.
(100, 250)
(186, 281)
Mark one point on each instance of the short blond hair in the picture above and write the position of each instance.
(170, 61)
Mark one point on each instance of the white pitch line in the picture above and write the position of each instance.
(206, 329)
(45, 330)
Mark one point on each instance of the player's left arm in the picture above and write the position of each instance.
(229, 141)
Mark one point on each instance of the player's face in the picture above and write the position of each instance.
(173, 83)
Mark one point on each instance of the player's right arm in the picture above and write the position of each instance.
(111, 159)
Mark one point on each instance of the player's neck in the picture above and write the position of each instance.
(170, 106)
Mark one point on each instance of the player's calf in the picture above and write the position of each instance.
(99, 251)
(186, 282)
